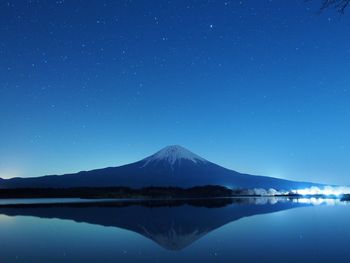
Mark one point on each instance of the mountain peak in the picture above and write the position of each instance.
(173, 153)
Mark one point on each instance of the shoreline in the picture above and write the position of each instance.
(152, 202)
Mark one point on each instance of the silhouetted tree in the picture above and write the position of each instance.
(339, 5)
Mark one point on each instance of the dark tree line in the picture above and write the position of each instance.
(119, 192)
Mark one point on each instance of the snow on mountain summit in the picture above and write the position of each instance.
(172, 154)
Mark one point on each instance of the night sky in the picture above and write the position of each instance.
(258, 86)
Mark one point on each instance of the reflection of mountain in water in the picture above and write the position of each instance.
(173, 226)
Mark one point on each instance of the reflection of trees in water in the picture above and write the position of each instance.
(173, 224)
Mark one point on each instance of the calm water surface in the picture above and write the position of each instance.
(240, 230)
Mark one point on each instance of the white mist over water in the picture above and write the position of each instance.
(333, 191)
(327, 190)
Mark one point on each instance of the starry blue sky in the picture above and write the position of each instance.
(259, 86)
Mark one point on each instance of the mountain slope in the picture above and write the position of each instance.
(171, 166)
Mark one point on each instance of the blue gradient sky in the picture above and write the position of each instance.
(257, 86)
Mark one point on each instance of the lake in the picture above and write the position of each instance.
(223, 230)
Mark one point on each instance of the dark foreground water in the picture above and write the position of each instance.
(239, 230)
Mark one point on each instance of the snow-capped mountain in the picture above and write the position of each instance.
(172, 166)
(173, 155)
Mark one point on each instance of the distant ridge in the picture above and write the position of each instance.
(171, 166)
